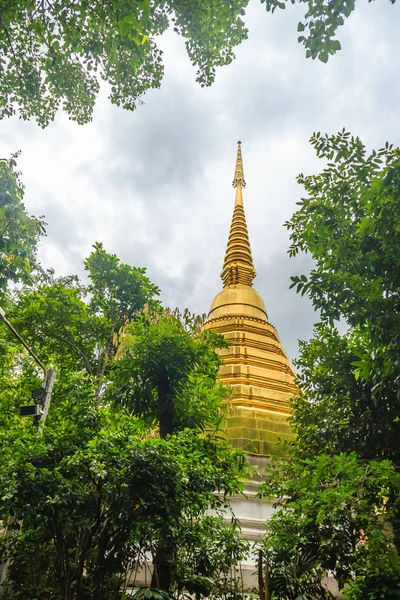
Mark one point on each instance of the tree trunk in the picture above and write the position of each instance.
(260, 575)
(163, 561)
(165, 405)
(164, 558)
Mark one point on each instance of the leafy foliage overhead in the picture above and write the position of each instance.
(55, 53)
(321, 21)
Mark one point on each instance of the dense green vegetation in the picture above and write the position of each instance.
(54, 54)
(131, 456)
(340, 489)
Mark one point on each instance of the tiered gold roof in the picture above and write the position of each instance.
(255, 365)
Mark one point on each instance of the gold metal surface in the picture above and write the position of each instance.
(256, 367)
(238, 264)
(238, 178)
(238, 300)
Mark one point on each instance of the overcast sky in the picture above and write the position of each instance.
(155, 185)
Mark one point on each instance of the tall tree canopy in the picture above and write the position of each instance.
(350, 224)
(55, 53)
(340, 489)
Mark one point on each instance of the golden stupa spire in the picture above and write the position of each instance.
(255, 365)
(238, 265)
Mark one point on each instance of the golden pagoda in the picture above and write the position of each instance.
(256, 367)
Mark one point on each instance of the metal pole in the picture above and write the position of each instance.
(25, 345)
(13, 526)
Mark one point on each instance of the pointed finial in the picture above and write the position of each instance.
(238, 264)
(239, 175)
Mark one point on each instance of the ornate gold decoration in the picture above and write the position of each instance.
(256, 367)
(238, 178)
(238, 265)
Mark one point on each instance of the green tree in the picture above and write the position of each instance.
(339, 491)
(335, 515)
(167, 372)
(350, 224)
(94, 492)
(320, 24)
(19, 232)
(74, 325)
(101, 491)
(56, 53)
